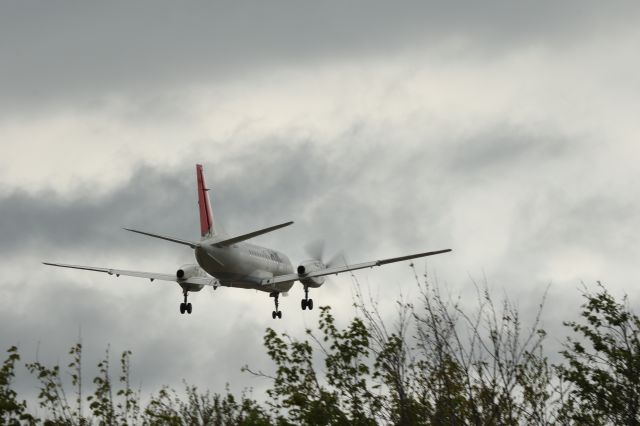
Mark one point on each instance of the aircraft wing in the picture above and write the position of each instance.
(340, 269)
(139, 274)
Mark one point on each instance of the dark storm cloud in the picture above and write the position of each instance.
(59, 50)
(49, 219)
(352, 197)
(276, 182)
(505, 147)
(367, 198)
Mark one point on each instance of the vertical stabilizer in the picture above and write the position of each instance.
(207, 227)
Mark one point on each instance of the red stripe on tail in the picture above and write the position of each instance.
(206, 216)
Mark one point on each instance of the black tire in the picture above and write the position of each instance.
(310, 304)
(303, 304)
(182, 308)
(279, 314)
(273, 314)
(189, 308)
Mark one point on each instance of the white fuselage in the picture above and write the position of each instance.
(244, 265)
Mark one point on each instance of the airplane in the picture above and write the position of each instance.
(230, 261)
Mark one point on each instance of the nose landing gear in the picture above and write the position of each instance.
(306, 302)
(184, 306)
(275, 313)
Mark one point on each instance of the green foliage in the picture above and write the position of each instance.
(203, 408)
(52, 396)
(440, 365)
(128, 406)
(105, 410)
(297, 395)
(347, 369)
(12, 411)
(119, 404)
(124, 408)
(603, 362)
(435, 365)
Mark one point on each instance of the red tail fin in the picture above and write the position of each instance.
(206, 215)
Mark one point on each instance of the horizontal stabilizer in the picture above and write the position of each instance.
(230, 241)
(164, 237)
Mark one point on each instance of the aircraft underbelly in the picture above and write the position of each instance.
(234, 270)
(191, 287)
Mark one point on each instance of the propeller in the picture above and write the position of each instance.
(315, 250)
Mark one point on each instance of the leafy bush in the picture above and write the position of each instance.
(435, 364)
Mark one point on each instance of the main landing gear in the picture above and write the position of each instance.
(275, 313)
(184, 306)
(306, 302)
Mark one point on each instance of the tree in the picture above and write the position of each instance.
(343, 396)
(203, 408)
(105, 409)
(441, 365)
(12, 411)
(436, 364)
(116, 403)
(603, 362)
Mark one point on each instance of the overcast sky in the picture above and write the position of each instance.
(505, 131)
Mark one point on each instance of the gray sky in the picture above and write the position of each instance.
(508, 133)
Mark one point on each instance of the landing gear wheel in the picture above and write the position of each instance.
(306, 303)
(275, 313)
(184, 306)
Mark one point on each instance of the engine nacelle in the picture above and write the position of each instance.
(307, 267)
(187, 271)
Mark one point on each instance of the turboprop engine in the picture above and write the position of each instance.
(316, 251)
(311, 266)
(188, 271)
